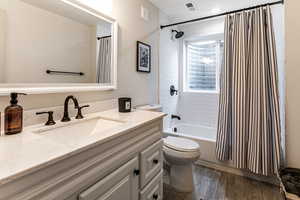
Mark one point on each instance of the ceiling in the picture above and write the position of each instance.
(177, 10)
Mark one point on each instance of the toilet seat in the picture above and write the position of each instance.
(181, 144)
(180, 155)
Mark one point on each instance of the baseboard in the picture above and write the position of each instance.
(238, 172)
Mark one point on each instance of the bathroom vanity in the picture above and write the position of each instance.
(107, 155)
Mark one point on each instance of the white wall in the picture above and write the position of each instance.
(279, 21)
(292, 27)
(2, 44)
(143, 88)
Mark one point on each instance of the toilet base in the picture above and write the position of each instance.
(181, 178)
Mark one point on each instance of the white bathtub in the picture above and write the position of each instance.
(205, 136)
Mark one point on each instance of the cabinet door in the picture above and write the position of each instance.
(123, 184)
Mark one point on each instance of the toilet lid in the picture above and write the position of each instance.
(181, 144)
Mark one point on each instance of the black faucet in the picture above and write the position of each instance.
(175, 117)
(173, 91)
(66, 117)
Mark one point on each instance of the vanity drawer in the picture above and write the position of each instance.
(151, 162)
(154, 190)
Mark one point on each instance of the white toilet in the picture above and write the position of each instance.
(180, 154)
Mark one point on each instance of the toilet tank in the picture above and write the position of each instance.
(151, 107)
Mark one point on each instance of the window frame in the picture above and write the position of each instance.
(186, 42)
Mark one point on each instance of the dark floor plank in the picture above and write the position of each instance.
(215, 185)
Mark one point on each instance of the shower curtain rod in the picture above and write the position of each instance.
(99, 38)
(222, 14)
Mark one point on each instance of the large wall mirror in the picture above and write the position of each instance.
(56, 46)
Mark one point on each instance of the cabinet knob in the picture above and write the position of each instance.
(155, 196)
(136, 172)
(155, 161)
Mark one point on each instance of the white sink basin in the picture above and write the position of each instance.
(79, 133)
(88, 126)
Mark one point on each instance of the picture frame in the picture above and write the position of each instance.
(143, 57)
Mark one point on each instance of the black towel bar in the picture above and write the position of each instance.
(62, 72)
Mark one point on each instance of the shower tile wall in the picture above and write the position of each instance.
(194, 108)
(199, 108)
(168, 71)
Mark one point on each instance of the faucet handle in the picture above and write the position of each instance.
(79, 113)
(173, 91)
(50, 121)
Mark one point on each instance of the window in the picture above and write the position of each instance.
(203, 60)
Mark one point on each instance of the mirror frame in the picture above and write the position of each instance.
(45, 88)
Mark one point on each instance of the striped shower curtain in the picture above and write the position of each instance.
(249, 122)
(104, 60)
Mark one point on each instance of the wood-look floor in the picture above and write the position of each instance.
(215, 185)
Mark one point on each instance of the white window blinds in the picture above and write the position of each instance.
(203, 61)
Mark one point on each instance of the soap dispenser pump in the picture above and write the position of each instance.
(13, 116)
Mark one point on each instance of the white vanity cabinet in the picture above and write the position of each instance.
(128, 167)
(121, 184)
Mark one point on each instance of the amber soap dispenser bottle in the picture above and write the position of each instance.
(13, 116)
